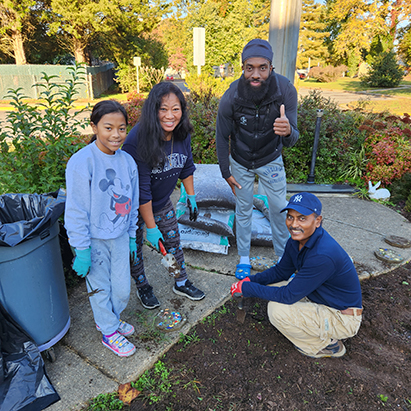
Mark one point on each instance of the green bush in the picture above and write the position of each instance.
(203, 116)
(384, 71)
(38, 141)
(148, 77)
(340, 137)
(126, 77)
(205, 85)
(401, 191)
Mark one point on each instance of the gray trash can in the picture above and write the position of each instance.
(32, 283)
(33, 288)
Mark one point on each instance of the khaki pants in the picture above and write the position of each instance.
(310, 326)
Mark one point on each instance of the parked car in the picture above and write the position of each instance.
(302, 74)
(169, 77)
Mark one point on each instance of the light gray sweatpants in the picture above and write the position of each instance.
(273, 181)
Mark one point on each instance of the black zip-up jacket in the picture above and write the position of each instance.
(250, 128)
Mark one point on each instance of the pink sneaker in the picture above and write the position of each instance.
(119, 345)
(123, 329)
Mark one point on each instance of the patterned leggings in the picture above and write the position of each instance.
(167, 223)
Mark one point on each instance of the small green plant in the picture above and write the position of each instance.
(189, 339)
(105, 402)
(154, 383)
(357, 164)
(38, 140)
(383, 398)
(150, 330)
(362, 193)
(211, 319)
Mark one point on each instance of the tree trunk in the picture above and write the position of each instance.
(79, 53)
(18, 48)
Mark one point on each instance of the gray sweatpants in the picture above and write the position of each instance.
(273, 181)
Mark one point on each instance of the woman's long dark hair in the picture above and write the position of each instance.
(106, 107)
(150, 133)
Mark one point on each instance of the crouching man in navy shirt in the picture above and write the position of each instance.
(321, 304)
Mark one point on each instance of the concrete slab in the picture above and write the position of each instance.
(75, 379)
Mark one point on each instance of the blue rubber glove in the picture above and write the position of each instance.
(192, 205)
(82, 261)
(133, 250)
(153, 236)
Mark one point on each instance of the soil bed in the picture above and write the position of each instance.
(223, 365)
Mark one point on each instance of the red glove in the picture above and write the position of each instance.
(236, 288)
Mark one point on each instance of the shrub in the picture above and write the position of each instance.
(148, 77)
(384, 71)
(36, 145)
(389, 156)
(133, 106)
(203, 116)
(340, 136)
(126, 77)
(401, 191)
(204, 85)
(328, 73)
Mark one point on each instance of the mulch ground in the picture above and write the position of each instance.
(225, 365)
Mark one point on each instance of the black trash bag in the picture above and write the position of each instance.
(24, 385)
(25, 216)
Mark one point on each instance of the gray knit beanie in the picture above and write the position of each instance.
(257, 48)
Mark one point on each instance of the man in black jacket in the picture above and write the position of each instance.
(257, 116)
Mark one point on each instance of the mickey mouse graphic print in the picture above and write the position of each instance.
(102, 196)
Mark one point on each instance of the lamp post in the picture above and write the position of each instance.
(137, 63)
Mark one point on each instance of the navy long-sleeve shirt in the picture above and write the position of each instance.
(157, 184)
(323, 272)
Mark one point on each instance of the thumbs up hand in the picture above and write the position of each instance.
(281, 124)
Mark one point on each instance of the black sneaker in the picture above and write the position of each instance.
(188, 290)
(147, 297)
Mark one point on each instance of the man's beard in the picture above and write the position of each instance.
(256, 94)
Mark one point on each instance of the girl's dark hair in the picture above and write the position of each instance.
(150, 133)
(106, 107)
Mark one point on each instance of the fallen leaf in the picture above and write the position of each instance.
(127, 393)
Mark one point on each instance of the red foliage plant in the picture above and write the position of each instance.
(388, 154)
(133, 106)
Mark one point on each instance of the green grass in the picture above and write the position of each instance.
(343, 84)
(397, 105)
(353, 85)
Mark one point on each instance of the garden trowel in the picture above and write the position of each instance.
(169, 261)
(240, 308)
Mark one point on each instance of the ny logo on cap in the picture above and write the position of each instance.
(297, 199)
